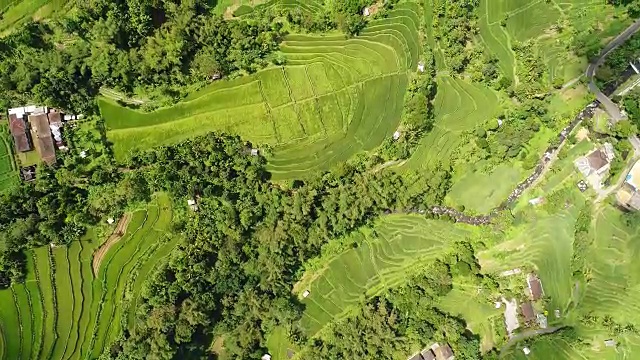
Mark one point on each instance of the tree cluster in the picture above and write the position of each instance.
(60, 205)
(143, 46)
(246, 246)
(417, 116)
(396, 323)
(454, 25)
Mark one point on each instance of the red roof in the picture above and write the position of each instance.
(535, 287)
(18, 130)
(527, 311)
(55, 118)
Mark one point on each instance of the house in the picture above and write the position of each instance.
(444, 352)
(266, 357)
(416, 357)
(44, 140)
(428, 354)
(396, 135)
(542, 321)
(527, 312)
(629, 195)
(596, 162)
(19, 132)
(55, 124)
(535, 287)
(254, 152)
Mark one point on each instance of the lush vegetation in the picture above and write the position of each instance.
(368, 118)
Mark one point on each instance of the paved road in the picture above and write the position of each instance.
(611, 108)
(529, 334)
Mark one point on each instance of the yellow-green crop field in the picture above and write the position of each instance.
(63, 310)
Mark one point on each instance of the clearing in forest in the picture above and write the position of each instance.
(64, 311)
(385, 256)
(334, 98)
(118, 233)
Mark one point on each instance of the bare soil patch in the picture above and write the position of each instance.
(118, 233)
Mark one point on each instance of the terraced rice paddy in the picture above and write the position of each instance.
(502, 23)
(459, 106)
(67, 313)
(334, 98)
(544, 243)
(385, 257)
(16, 12)
(8, 167)
(481, 193)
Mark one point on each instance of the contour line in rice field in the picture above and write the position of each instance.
(355, 100)
(395, 244)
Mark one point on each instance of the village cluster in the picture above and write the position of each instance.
(39, 129)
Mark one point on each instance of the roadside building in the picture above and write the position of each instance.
(629, 195)
(542, 321)
(535, 287)
(19, 132)
(44, 140)
(526, 309)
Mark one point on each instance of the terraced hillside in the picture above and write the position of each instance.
(16, 12)
(8, 167)
(335, 97)
(503, 23)
(384, 258)
(63, 311)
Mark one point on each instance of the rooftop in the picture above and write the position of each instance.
(527, 311)
(19, 133)
(45, 147)
(535, 287)
(633, 178)
(428, 354)
(444, 352)
(597, 160)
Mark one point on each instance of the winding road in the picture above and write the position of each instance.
(550, 154)
(611, 108)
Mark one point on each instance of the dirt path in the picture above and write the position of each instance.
(118, 233)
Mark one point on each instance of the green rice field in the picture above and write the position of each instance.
(384, 257)
(16, 12)
(8, 168)
(459, 106)
(63, 310)
(334, 98)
